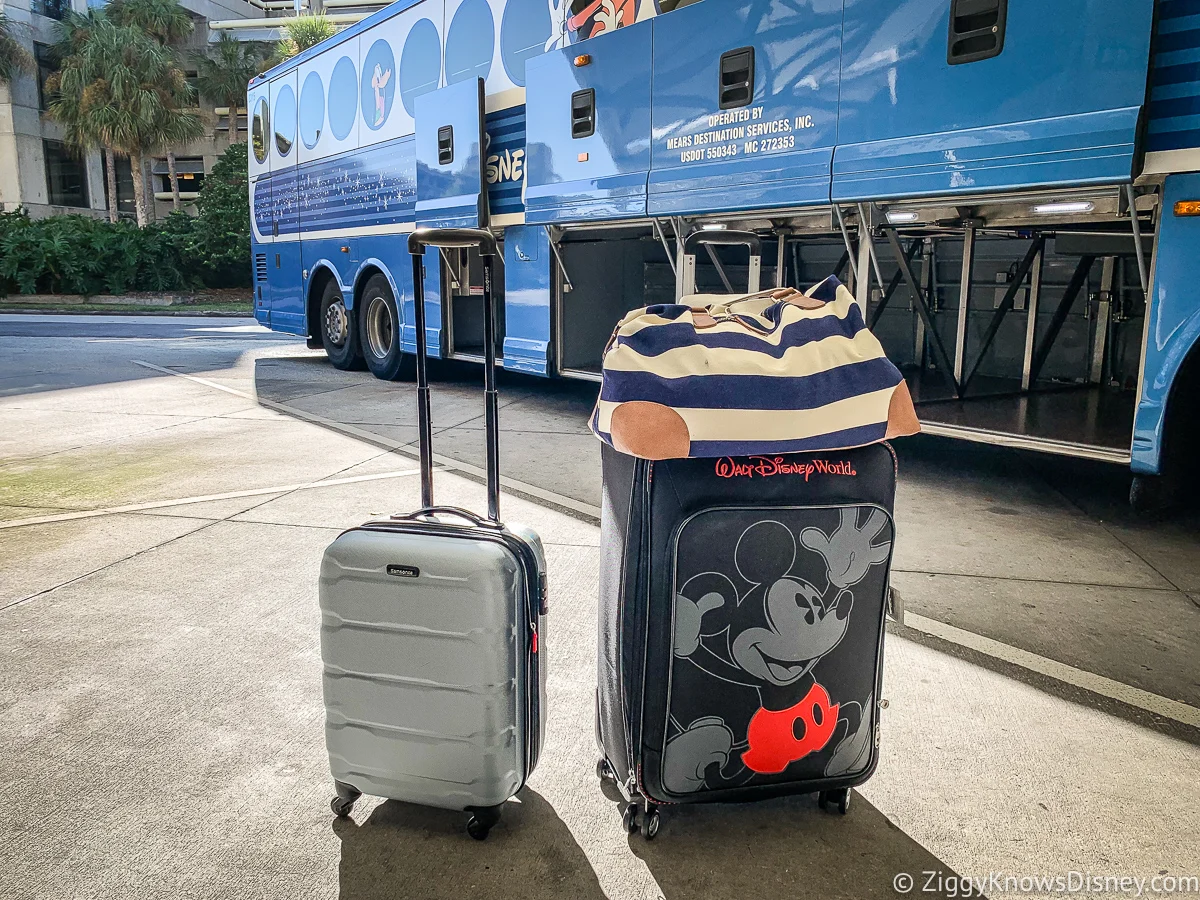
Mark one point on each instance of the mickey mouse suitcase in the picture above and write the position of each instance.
(434, 683)
(742, 605)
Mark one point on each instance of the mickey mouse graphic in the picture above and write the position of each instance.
(768, 640)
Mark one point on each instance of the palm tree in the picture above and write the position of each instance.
(73, 33)
(169, 24)
(223, 75)
(302, 32)
(14, 58)
(164, 20)
(122, 89)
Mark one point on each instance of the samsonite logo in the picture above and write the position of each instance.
(403, 571)
(767, 466)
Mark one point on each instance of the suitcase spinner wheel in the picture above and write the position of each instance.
(839, 800)
(645, 819)
(481, 821)
(343, 802)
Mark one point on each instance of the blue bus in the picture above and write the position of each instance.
(1010, 187)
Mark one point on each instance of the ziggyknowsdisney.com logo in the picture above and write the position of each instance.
(767, 466)
(951, 885)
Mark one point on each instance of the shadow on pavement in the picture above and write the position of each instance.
(785, 848)
(403, 850)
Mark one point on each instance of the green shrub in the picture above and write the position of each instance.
(80, 255)
(219, 240)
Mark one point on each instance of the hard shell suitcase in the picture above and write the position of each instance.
(434, 680)
(742, 605)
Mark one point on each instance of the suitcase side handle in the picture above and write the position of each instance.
(458, 238)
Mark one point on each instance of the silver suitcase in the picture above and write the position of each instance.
(685, 285)
(434, 680)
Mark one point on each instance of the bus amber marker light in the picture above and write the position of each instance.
(1187, 208)
(582, 60)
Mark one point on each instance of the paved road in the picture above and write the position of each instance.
(165, 492)
(136, 327)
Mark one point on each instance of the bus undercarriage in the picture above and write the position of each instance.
(1017, 320)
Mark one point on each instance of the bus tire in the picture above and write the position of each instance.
(379, 332)
(339, 331)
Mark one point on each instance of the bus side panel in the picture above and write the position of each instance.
(527, 266)
(1173, 320)
(775, 151)
(450, 194)
(601, 175)
(1173, 132)
(1059, 104)
(504, 165)
(260, 227)
(394, 249)
(341, 255)
(374, 187)
(283, 259)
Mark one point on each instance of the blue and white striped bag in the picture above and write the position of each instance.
(775, 372)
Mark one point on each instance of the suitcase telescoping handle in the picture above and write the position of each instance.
(485, 242)
(720, 237)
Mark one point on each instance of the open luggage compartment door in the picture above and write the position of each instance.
(744, 106)
(451, 190)
(957, 97)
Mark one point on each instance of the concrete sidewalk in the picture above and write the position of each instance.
(163, 721)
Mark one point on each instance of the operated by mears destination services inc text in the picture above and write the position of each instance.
(739, 132)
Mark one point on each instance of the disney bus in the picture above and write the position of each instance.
(1010, 187)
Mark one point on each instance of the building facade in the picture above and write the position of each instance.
(40, 173)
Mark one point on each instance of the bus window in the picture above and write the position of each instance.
(258, 130)
(285, 120)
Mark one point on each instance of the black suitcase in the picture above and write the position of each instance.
(742, 605)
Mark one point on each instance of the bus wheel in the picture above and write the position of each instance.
(379, 327)
(339, 334)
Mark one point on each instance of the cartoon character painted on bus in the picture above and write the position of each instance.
(769, 638)
(379, 80)
(578, 20)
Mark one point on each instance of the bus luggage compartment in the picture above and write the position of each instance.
(963, 96)
(588, 129)
(745, 105)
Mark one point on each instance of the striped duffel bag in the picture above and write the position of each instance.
(774, 372)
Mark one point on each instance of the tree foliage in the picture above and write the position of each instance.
(164, 20)
(302, 32)
(224, 72)
(121, 88)
(220, 233)
(80, 255)
(14, 58)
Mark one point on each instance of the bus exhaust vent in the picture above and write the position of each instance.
(976, 30)
(260, 267)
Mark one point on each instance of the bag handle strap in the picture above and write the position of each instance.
(708, 316)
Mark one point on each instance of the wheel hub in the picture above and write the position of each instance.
(336, 323)
(379, 327)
